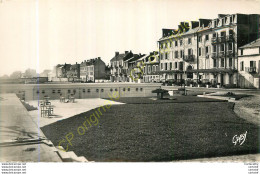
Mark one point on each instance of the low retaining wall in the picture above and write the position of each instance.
(80, 91)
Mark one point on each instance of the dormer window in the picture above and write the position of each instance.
(189, 40)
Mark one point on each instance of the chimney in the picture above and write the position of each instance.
(117, 53)
(99, 58)
(126, 52)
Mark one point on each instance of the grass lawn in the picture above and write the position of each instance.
(175, 99)
(158, 131)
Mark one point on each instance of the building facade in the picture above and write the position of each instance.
(119, 66)
(92, 70)
(249, 65)
(205, 51)
(73, 74)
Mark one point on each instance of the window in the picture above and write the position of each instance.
(171, 66)
(161, 66)
(242, 66)
(215, 35)
(200, 38)
(231, 19)
(252, 64)
(116, 89)
(58, 90)
(199, 51)
(141, 89)
(230, 32)
(230, 46)
(180, 42)
(241, 52)
(37, 92)
(222, 47)
(222, 63)
(214, 48)
(88, 90)
(161, 56)
(176, 65)
(214, 63)
(176, 54)
(176, 43)
(128, 89)
(102, 90)
(166, 55)
(97, 90)
(111, 89)
(69, 91)
(83, 90)
(123, 89)
(53, 91)
(207, 50)
(189, 41)
(230, 62)
(170, 44)
(136, 89)
(43, 91)
(207, 37)
(165, 66)
(223, 34)
(181, 52)
(189, 51)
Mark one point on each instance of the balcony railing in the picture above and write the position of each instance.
(250, 69)
(222, 39)
(214, 40)
(221, 54)
(214, 55)
(230, 53)
(230, 38)
(189, 58)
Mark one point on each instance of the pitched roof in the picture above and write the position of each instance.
(255, 43)
(190, 31)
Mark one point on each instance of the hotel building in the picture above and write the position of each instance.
(206, 51)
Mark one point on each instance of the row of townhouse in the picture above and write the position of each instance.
(129, 67)
(206, 51)
(198, 52)
(88, 71)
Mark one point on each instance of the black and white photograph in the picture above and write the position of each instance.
(149, 82)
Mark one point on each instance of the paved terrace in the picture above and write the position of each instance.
(66, 110)
(21, 138)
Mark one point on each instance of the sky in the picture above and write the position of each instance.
(39, 34)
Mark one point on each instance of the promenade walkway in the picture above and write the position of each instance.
(21, 138)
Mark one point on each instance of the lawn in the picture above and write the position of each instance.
(157, 131)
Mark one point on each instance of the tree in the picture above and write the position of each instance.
(29, 73)
(4, 77)
(16, 75)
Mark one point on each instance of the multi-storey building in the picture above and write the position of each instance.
(134, 71)
(60, 70)
(205, 51)
(92, 70)
(249, 65)
(151, 67)
(73, 74)
(119, 66)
